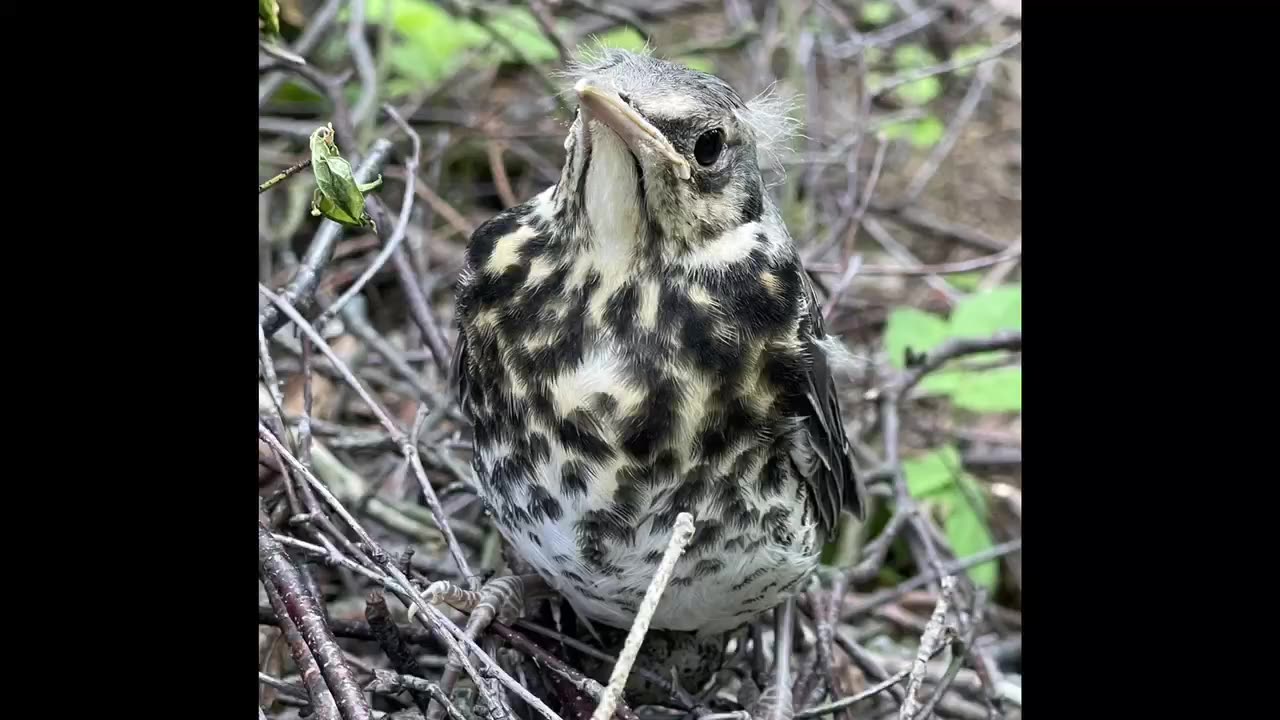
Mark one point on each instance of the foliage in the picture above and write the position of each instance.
(936, 479)
(978, 315)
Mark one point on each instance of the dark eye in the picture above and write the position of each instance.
(708, 148)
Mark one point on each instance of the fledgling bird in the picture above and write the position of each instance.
(641, 340)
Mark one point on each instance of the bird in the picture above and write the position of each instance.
(640, 339)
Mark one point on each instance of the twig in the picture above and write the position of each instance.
(397, 234)
(287, 172)
(977, 90)
(500, 179)
(929, 641)
(583, 683)
(365, 67)
(900, 251)
(680, 536)
(421, 313)
(867, 663)
(393, 645)
(993, 52)
(304, 611)
(356, 630)
(921, 219)
(951, 268)
(300, 291)
(965, 649)
(547, 22)
(882, 597)
(387, 682)
(956, 348)
(321, 698)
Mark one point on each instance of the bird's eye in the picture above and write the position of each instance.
(707, 150)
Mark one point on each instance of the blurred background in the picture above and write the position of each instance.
(903, 192)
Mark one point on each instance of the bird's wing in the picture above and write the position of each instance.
(828, 467)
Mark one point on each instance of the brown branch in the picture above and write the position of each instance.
(956, 348)
(583, 683)
(356, 630)
(312, 678)
(387, 682)
(888, 595)
(304, 611)
(284, 174)
(393, 644)
(951, 268)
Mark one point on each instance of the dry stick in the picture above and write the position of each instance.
(929, 641)
(977, 90)
(992, 53)
(867, 663)
(365, 67)
(387, 682)
(420, 311)
(583, 683)
(500, 179)
(680, 537)
(303, 610)
(951, 268)
(884, 597)
(955, 348)
(889, 682)
(446, 630)
(301, 290)
(356, 630)
(284, 174)
(998, 273)
(321, 698)
(393, 645)
(654, 678)
(903, 255)
(408, 448)
(547, 22)
(397, 235)
(957, 659)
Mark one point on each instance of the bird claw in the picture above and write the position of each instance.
(501, 598)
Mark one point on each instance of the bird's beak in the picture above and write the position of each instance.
(639, 134)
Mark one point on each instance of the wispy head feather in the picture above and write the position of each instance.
(771, 119)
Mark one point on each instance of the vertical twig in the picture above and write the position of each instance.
(680, 537)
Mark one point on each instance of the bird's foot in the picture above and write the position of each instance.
(502, 599)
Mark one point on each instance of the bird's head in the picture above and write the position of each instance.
(671, 152)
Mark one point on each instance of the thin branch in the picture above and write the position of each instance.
(387, 682)
(956, 348)
(951, 268)
(977, 90)
(929, 641)
(680, 536)
(888, 595)
(393, 644)
(321, 698)
(300, 291)
(286, 173)
(992, 53)
(303, 610)
(575, 677)
(366, 70)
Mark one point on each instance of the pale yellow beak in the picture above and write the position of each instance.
(639, 134)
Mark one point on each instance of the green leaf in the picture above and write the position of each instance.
(337, 196)
(968, 282)
(965, 53)
(269, 14)
(520, 28)
(967, 532)
(698, 62)
(919, 92)
(912, 57)
(623, 38)
(983, 314)
(911, 328)
(877, 13)
(932, 474)
(989, 391)
(927, 132)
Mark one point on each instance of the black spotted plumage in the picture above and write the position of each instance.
(634, 344)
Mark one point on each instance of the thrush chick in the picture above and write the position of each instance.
(640, 340)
